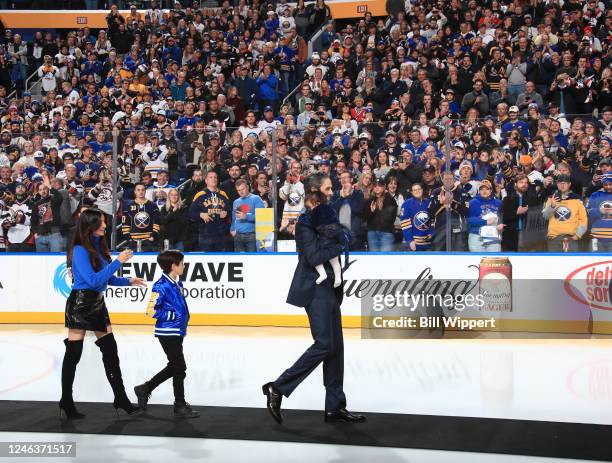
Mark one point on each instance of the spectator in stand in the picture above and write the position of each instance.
(567, 218)
(102, 197)
(292, 193)
(17, 221)
(229, 185)
(140, 222)
(349, 204)
(476, 98)
(211, 210)
(158, 192)
(515, 234)
(517, 74)
(243, 218)
(513, 123)
(484, 220)
(600, 216)
(268, 88)
(392, 189)
(530, 96)
(174, 221)
(46, 219)
(416, 221)
(449, 196)
(380, 213)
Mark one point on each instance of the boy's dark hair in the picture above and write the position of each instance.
(169, 257)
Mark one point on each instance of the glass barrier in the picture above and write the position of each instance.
(527, 183)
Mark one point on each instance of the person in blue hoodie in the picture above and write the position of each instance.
(600, 216)
(169, 307)
(92, 271)
(268, 84)
(483, 220)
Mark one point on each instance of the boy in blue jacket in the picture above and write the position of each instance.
(169, 307)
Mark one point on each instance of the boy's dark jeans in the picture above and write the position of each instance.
(176, 368)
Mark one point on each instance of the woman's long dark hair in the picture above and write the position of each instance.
(89, 221)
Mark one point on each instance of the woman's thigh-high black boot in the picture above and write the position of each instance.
(74, 349)
(110, 358)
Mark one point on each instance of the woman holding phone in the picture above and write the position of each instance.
(92, 271)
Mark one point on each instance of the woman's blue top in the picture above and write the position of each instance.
(85, 277)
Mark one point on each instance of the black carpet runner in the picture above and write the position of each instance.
(535, 438)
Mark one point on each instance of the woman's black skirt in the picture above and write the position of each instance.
(86, 310)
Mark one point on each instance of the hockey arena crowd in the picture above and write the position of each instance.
(514, 96)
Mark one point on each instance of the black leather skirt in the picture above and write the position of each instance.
(86, 310)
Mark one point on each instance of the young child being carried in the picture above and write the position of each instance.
(328, 227)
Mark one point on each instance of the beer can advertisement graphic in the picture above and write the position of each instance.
(495, 284)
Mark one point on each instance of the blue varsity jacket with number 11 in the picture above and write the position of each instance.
(169, 307)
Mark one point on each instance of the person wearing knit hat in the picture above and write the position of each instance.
(465, 174)
(484, 221)
(567, 218)
(525, 160)
(599, 209)
(450, 195)
(526, 166)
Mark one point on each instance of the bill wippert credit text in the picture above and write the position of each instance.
(458, 323)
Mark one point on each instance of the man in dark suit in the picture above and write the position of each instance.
(322, 304)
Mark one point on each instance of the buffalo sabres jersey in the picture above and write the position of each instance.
(415, 222)
(155, 160)
(600, 213)
(141, 221)
(568, 218)
(212, 203)
(102, 195)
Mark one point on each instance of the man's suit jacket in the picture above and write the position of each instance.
(310, 254)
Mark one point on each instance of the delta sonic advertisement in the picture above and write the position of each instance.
(469, 292)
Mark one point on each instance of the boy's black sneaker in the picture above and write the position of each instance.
(184, 410)
(143, 393)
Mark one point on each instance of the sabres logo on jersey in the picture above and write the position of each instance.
(142, 220)
(605, 209)
(563, 214)
(294, 198)
(421, 220)
(105, 195)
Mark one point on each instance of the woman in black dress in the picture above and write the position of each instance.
(92, 271)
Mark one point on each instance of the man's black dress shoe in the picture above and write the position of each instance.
(274, 401)
(343, 415)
